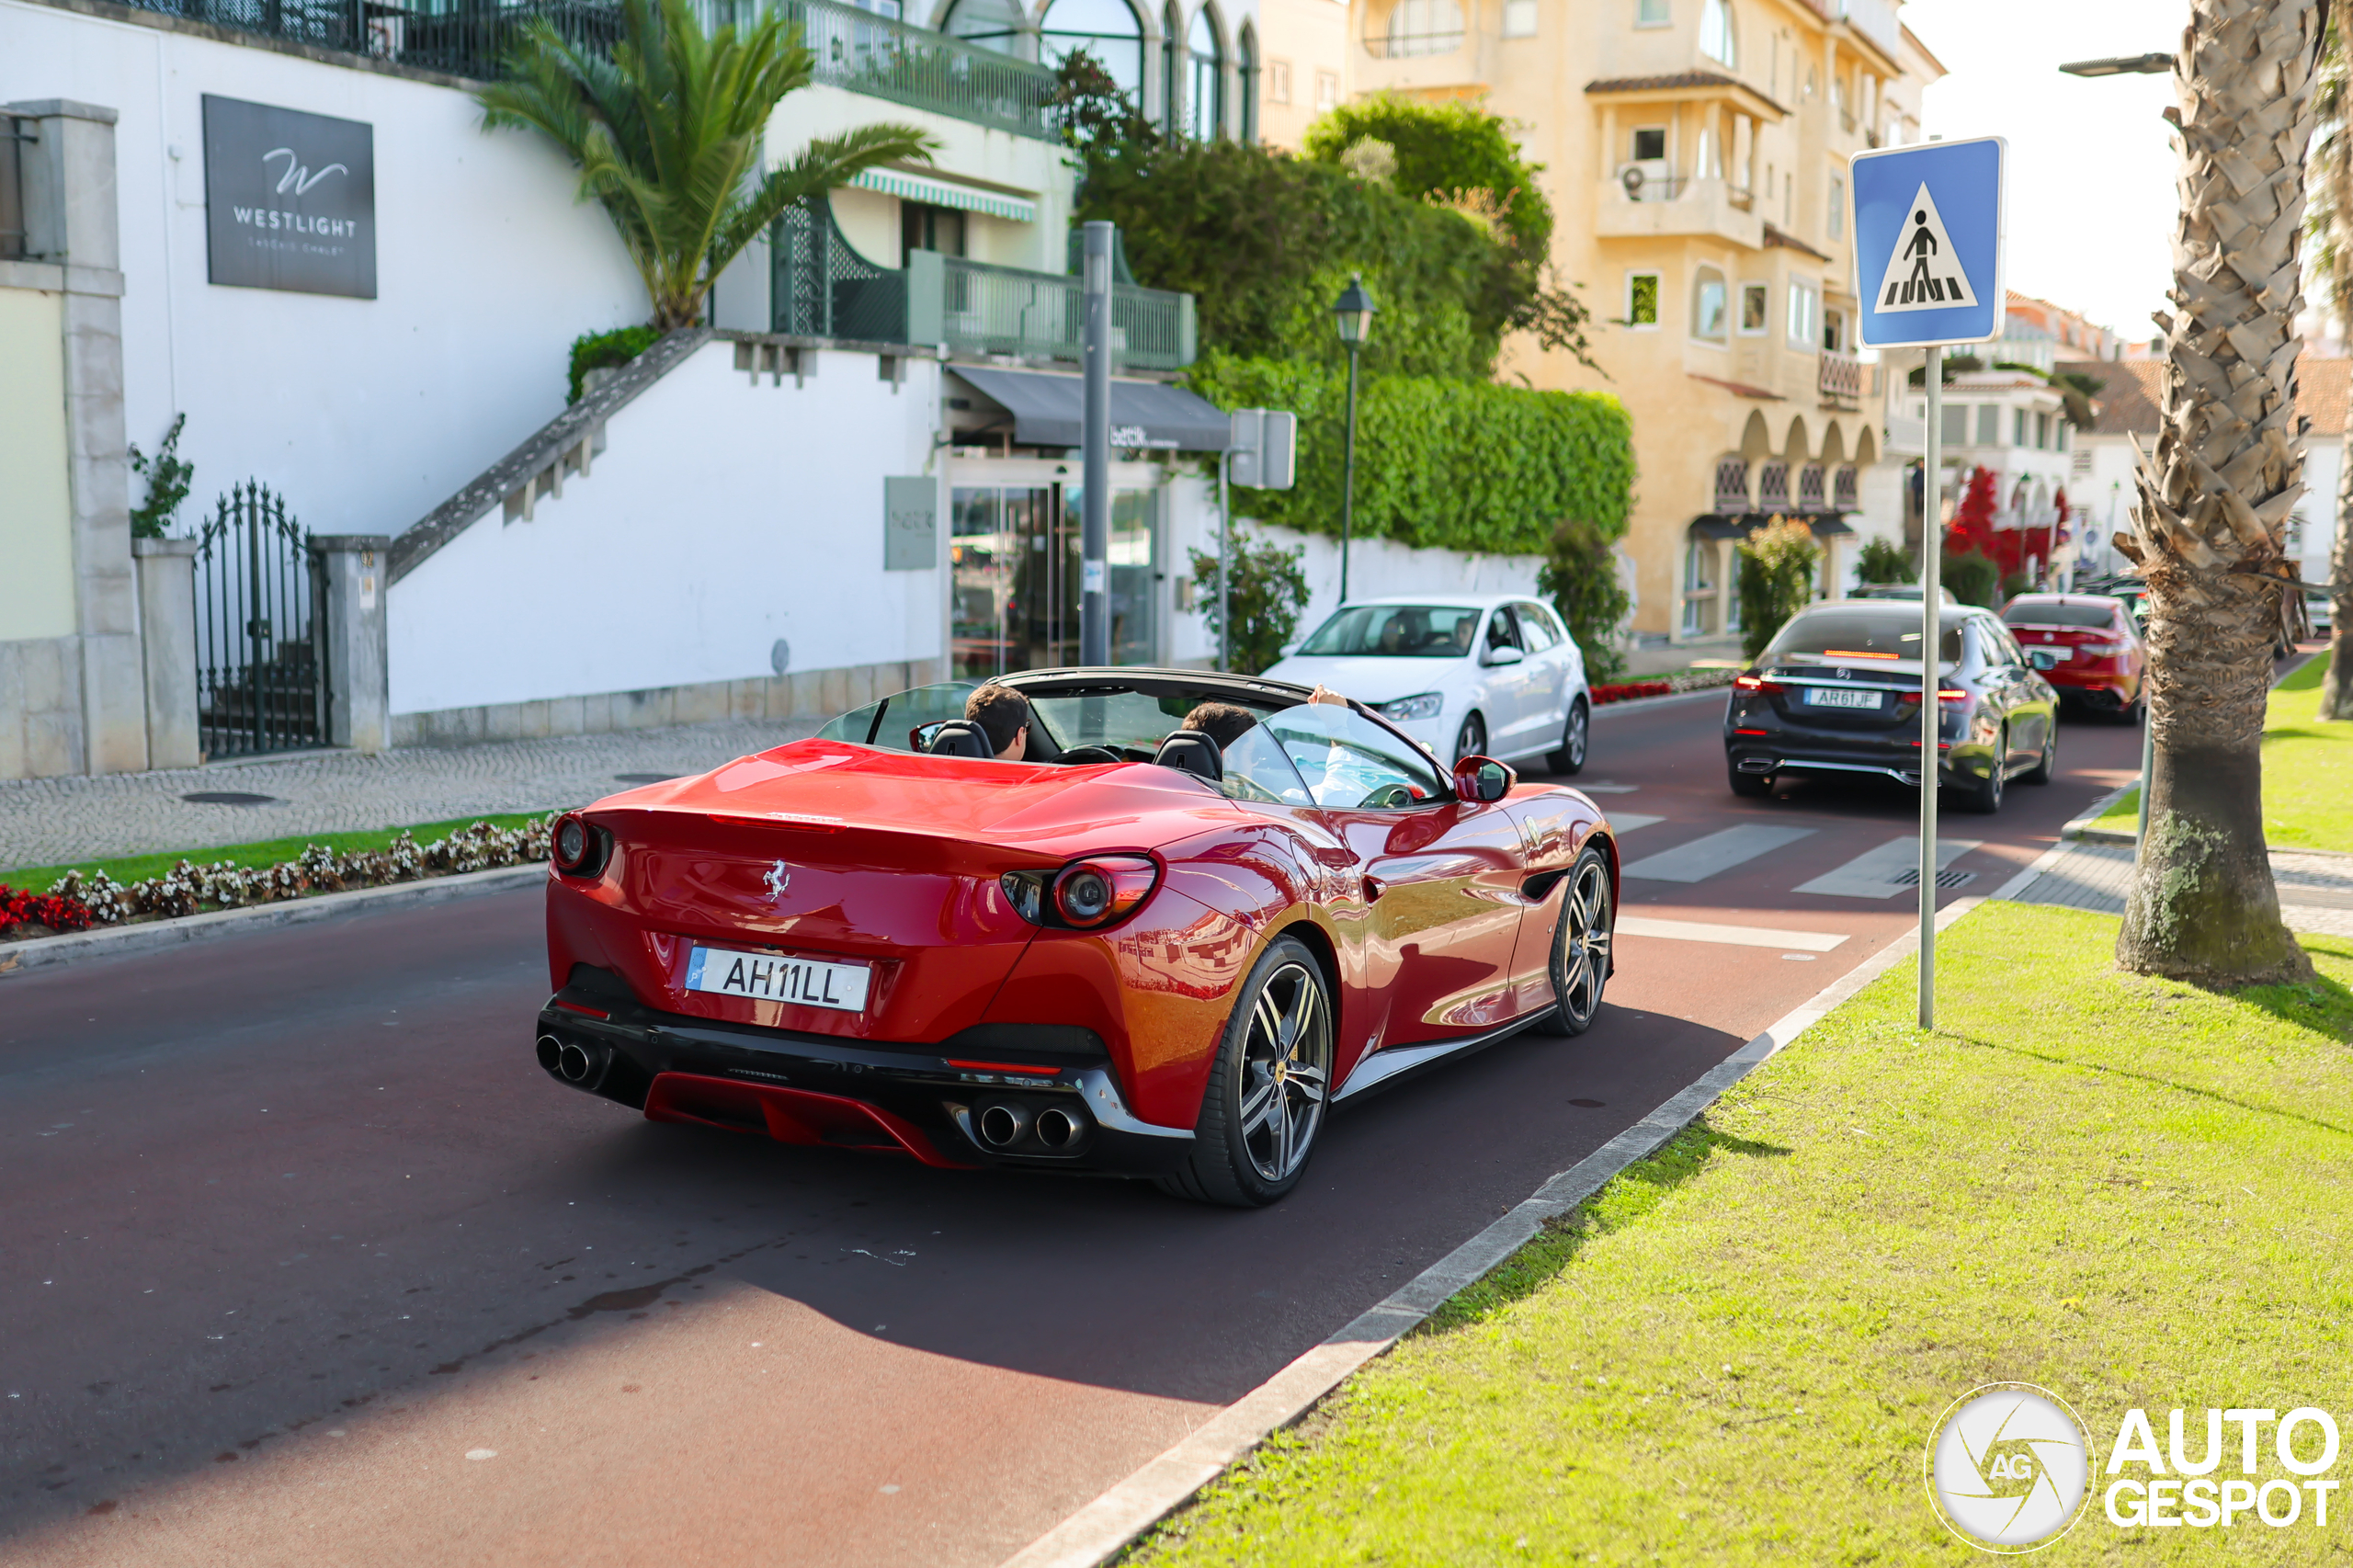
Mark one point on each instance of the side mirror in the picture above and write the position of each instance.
(1504, 655)
(1287, 650)
(1479, 779)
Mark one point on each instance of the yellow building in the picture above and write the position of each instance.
(1305, 45)
(1695, 154)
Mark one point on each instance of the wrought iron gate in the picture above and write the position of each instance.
(260, 630)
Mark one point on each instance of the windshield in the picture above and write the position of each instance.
(891, 724)
(1128, 719)
(1397, 632)
(1864, 634)
(2045, 613)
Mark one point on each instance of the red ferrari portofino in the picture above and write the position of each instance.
(1134, 952)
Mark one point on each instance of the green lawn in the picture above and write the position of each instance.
(2306, 767)
(2132, 1193)
(129, 869)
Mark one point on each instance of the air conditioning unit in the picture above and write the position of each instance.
(1647, 179)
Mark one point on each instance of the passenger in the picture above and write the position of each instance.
(1003, 715)
(1221, 722)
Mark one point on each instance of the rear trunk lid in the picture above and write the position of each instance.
(887, 861)
(1883, 694)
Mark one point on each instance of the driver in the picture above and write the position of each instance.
(1003, 715)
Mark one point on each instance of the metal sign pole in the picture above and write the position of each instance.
(1095, 451)
(1932, 551)
(1225, 567)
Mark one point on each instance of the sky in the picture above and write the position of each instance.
(2091, 203)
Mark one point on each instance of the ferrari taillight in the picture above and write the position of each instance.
(1085, 894)
(1096, 892)
(578, 849)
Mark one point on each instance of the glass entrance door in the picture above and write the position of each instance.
(1016, 565)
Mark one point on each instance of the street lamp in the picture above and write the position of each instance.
(1353, 311)
(2121, 65)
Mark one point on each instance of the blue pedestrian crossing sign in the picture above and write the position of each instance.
(1928, 228)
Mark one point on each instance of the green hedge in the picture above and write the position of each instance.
(1265, 243)
(1440, 462)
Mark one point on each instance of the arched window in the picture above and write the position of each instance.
(992, 24)
(1107, 29)
(1245, 70)
(1172, 68)
(1204, 80)
(1423, 27)
(1718, 41)
(1709, 305)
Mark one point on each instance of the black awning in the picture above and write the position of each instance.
(1740, 525)
(1046, 410)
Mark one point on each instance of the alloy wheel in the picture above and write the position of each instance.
(1584, 948)
(1286, 1071)
(1472, 740)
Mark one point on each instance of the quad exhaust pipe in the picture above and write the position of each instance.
(1003, 1123)
(1057, 1129)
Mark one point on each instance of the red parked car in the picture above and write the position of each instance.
(1136, 951)
(2088, 645)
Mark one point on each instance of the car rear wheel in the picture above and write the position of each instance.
(1581, 935)
(2045, 769)
(1575, 737)
(1268, 1088)
(1984, 796)
(1748, 786)
(1471, 739)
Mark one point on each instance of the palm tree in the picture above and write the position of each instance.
(666, 132)
(2330, 172)
(2216, 492)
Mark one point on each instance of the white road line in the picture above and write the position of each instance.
(1703, 857)
(1734, 935)
(1609, 789)
(1873, 874)
(1627, 821)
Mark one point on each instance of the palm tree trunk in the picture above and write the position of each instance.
(2216, 493)
(2336, 686)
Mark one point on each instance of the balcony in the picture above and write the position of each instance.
(1674, 206)
(823, 287)
(856, 49)
(1839, 378)
(1423, 61)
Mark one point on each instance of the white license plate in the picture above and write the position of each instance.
(1839, 697)
(2049, 657)
(765, 977)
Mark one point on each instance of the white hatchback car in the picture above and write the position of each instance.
(1493, 675)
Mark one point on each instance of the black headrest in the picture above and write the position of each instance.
(961, 737)
(1190, 751)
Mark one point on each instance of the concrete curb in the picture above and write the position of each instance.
(1105, 1527)
(117, 941)
(2081, 826)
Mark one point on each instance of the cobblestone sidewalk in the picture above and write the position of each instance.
(2315, 891)
(51, 821)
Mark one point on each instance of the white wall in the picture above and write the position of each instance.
(1379, 567)
(365, 413)
(719, 517)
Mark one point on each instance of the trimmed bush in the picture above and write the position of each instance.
(1441, 463)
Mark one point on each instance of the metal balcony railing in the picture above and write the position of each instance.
(856, 49)
(1042, 315)
(1839, 377)
(823, 287)
(1410, 46)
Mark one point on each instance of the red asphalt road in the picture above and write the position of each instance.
(307, 1262)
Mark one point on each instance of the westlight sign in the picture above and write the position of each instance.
(289, 199)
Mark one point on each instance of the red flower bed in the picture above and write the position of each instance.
(21, 906)
(1626, 690)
